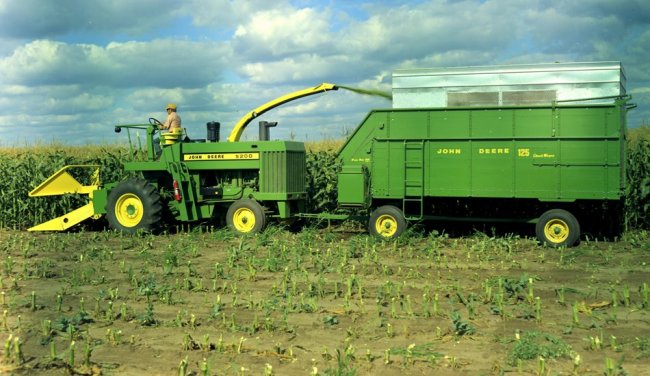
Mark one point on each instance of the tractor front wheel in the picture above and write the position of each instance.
(134, 205)
(387, 222)
(558, 228)
(246, 217)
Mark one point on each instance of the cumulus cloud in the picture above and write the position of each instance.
(77, 65)
(278, 32)
(161, 63)
(215, 14)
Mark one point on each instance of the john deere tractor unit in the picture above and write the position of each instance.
(247, 182)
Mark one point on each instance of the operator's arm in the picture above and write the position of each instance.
(167, 123)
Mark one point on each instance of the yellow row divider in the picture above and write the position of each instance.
(60, 183)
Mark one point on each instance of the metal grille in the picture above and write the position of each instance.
(472, 99)
(528, 97)
(283, 172)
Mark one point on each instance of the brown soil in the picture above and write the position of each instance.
(285, 307)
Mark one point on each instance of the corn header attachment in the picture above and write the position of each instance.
(61, 183)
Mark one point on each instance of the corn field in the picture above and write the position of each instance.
(24, 168)
(637, 193)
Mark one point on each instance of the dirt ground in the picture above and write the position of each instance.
(321, 302)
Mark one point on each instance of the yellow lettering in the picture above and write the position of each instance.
(220, 156)
(448, 151)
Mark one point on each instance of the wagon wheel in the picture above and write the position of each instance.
(558, 228)
(246, 217)
(134, 205)
(387, 222)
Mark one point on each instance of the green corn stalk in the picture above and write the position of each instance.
(574, 309)
(643, 291)
(71, 354)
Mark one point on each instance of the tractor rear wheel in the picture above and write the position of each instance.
(246, 217)
(387, 222)
(558, 228)
(134, 205)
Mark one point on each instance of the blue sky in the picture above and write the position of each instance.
(71, 69)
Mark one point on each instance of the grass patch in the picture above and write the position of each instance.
(532, 345)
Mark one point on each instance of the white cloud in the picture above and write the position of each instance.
(162, 63)
(215, 14)
(76, 67)
(307, 69)
(278, 32)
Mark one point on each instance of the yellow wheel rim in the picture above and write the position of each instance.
(129, 210)
(556, 231)
(244, 220)
(386, 225)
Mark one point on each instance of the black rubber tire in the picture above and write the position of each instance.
(387, 222)
(558, 228)
(134, 205)
(246, 216)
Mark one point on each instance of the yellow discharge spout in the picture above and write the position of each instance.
(60, 183)
(246, 119)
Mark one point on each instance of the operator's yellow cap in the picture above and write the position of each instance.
(171, 106)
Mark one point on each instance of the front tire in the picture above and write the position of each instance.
(387, 222)
(558, 228)
(134, 205)
(246, 217)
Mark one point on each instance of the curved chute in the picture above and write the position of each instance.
(237, 131)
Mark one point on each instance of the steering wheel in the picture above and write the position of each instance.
(156, 122)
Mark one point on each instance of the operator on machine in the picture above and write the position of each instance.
(173, 121)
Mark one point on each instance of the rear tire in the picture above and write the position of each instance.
(246, 217)
(558, 228)
(134, 205)
(387, 222)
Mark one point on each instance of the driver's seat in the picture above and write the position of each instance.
(171, 137)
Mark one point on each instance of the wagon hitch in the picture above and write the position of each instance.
(60, 183)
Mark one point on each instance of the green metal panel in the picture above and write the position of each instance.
(357, 148)
(492, 123)
(561, 153)
(355, 178)
(450, 124)
(387, 172)
(418, 125)
(447, 167)
(100, 199)
(357, 151)
(577, 122)
(492, 169)
(535, 168)
(533, 122)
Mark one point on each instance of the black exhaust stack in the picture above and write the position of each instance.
(265, 135)
(213, 131)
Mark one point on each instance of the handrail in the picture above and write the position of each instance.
(625, 97)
